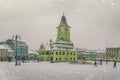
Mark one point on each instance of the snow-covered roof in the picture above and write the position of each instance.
(61, 41)
(101, 51)
(8, 47)
(31, 51)
(2, 47)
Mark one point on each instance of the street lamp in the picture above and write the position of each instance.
(16, 37)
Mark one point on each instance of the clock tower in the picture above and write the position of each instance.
(63, 31)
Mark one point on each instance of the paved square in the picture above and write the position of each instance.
(58, 71)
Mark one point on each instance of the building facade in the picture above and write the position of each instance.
(3, 53)
(101, 54)
(112, 53)
(119, 54)
(10, 52)
(22, 50)
(62, 49)
(33, 54)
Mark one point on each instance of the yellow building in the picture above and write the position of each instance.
(119, 54)
(3, 53)
(112, 53)
(62, 49)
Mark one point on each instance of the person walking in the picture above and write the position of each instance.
(114, 65)
(106, 61)
(51, 60)
(95, 63)
(100, 62)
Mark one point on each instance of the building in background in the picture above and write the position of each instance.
(84, 53)
(22, 50)
(33, 54)
(62, 49)
(101, 54)
(119, 54)
(3, 53)
(113, 53)
(81, 52)
(90, 54)
(10, 52)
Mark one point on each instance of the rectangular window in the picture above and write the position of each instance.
(56, 59)
(74, 58)
(60, 53)
(67, 53)
(56, 53)
(63, 53)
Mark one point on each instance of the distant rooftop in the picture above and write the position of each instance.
(2, 47)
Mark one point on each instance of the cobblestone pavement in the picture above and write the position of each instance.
(58, 71)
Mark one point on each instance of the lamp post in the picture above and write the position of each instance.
(16, 53)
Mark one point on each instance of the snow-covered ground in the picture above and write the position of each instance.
(58, 71)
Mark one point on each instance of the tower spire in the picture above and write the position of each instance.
(63, 21)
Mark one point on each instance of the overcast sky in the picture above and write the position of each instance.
(94, 23)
